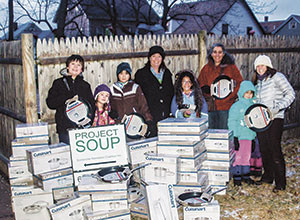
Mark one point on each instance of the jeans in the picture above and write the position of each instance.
(218, 120)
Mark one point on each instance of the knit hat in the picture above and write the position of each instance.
(156, 49)
(101, 88)
(263, 60)
(124, 66)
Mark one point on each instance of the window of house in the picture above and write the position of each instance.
(224, 29)
(292, 25)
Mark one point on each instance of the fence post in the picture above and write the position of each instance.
(202, 49)
(29, 78)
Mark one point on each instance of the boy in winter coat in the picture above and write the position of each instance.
(127, 97)
(102, 94)
(244, 137)
(70, 85)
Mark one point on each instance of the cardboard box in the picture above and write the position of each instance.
(18, 171)
(181, 148)
(123, 214)
(31, 204)
(90, 185)
(64, 193)
(138, 149)
(162, 169)
(106, 203)
(50, 158)
(220, 133)
(19, 148)
(181, 187)
(54, 179)
(32, 130)
(190, 176)
(191, 163)
(17, 161)
(217, 175)
(71, 209)
(183, 125)
(218, 145)
(221, 156)
(182, 136)
(139, 209)
(210, 211)
(21, 181)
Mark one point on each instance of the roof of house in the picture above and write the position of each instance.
(270, 26)
(211, 12)
(98, 10)
(295, 17)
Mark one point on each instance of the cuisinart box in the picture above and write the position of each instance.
(31, 204)
(161, 202)
(182, 136)
(219, 133)
(35, 130)
(138, 149)
(50, 158)
(19, 148)
(123, 214)
(162, 169)
(54, 179)
(71, 209)
(183, 125)
(209, 211)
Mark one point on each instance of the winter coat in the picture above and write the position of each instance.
(207, 76)
(158, 96)
(276, 93)
(59, 94)
(188, 100)
(236, 121)
(128, 100)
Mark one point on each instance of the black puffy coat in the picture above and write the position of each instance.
(59, 94)
(158, 96)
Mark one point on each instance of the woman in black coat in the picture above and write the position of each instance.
(155, 79)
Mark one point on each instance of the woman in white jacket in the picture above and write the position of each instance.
(274, 91)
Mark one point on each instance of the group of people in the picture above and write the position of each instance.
(152, 95)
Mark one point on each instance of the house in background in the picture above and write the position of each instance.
(270, 26)
(220, 17)
(94, 18)
(289, 27)
(31, 28)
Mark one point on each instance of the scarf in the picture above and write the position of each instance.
(102, 118)
(159, 76)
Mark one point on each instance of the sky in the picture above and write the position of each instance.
(284, 9)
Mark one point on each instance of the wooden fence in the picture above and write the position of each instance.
(102, 55)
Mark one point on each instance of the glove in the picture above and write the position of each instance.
(113, 114)
(253, 145)
(236, 144)
(205, 89)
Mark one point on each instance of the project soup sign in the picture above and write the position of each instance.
(98, 147)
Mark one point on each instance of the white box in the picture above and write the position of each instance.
(18, 171)
(218, 145)
(21, 181)
(218, 187)
(162, 169)
(180, 148)
(191, 163)
(211, 211)
(217, 175)
(183, 125)
(220, 133)
(182, 137)
(19, 148)
(50, 158)
(161, 202)
(17, 161)
(71, 209)
(138, 149)
(139, 209)
(189, 176)
(123, 214)
(31, 204)
(54, 179)
(180, 188)
(107, 202)
(218, 164)
(64, 193)
(32, 130)
(90, 185)
(221, 156)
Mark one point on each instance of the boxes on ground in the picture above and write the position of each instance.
(71, 209)
(50, 158)
(31, 204)
(35, 130)
(19, 148)
(123, 214)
